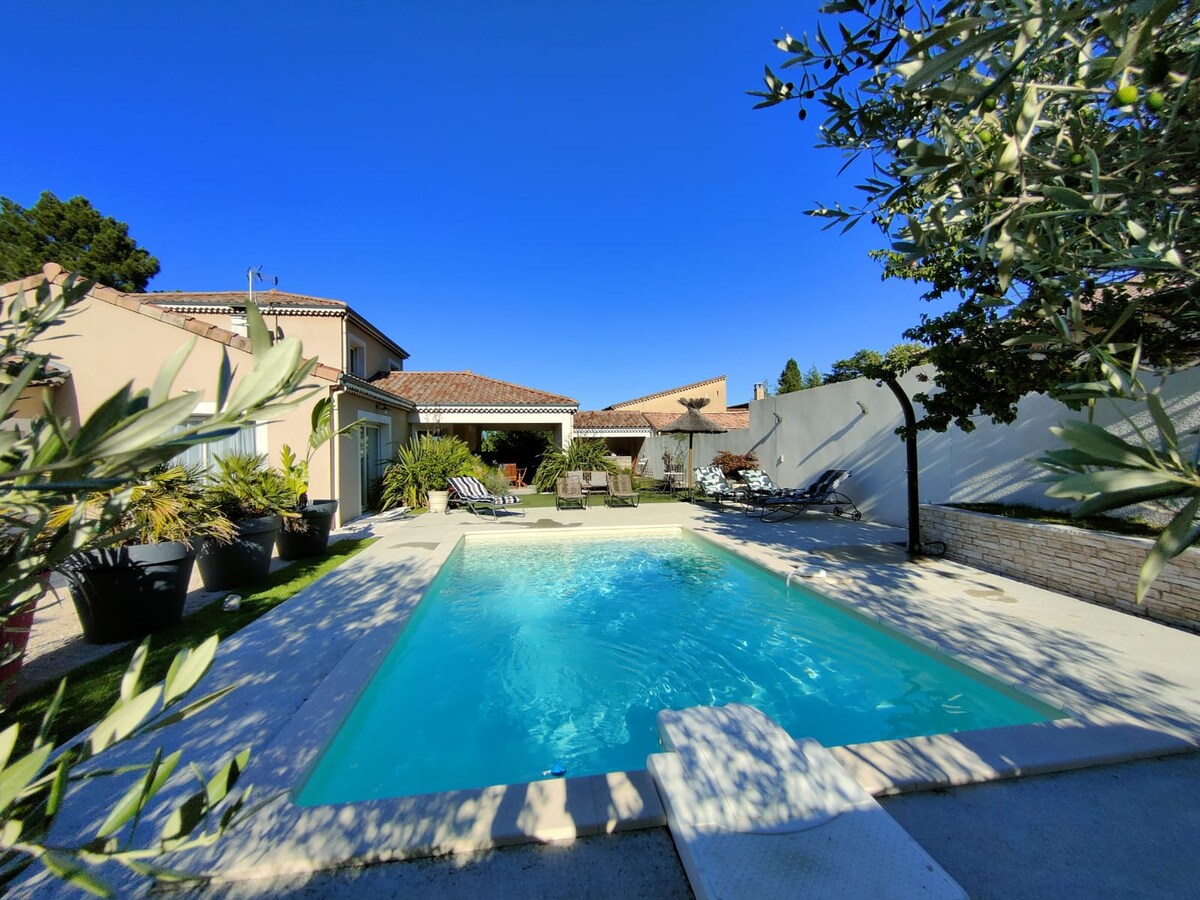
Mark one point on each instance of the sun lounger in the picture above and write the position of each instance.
(470, 492)
(822, 492)
(756, 814)
(620, 490)
(710, 482)
(568, 492)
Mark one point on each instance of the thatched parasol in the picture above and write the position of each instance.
(691, 423)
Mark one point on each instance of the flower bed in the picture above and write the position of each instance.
(1091, 565)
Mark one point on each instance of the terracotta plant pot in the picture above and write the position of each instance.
(245, 560)
(14, 636)
(313, 538)
(126, 593)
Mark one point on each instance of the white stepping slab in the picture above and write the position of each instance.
(756, 814)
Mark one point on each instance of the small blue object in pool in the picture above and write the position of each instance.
(558, 770)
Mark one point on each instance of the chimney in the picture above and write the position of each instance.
(760, 390)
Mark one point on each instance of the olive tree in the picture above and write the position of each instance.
(1039, 159)
(47, 472)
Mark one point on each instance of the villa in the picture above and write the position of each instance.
(980, 668)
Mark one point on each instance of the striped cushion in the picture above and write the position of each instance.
(472, 490)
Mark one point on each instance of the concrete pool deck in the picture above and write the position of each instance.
(1136, 683)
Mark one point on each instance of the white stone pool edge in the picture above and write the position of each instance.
(285, 839)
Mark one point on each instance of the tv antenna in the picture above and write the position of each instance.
(256, 274)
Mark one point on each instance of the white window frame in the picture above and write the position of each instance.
(239, 324)
(261, 444)
(352, 344)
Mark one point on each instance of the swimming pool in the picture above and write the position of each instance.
(526, 656)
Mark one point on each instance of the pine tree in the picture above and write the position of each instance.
(790, 379)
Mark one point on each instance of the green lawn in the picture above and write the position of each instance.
(92, 687)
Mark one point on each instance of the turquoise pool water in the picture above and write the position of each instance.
(527, 655)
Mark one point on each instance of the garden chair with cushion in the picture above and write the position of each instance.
(470, 492)
(595, 482)
(620, 490)
(568, 491)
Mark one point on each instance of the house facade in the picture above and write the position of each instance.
(112, 338)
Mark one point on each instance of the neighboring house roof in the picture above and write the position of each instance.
(730, 421)
(599, 422)
(456, 389)
(609, 418)
(666, 393)
(274, 302)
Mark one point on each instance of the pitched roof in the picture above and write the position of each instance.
(666, 393)
(270, 297)
(464, 389)
(272, 300)
(55, 274)
(610, 418)
(727, 420)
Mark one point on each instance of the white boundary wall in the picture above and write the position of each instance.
(797, 436)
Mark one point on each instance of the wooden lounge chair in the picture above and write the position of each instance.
(569, 491)
(470, 492)
(620, 490)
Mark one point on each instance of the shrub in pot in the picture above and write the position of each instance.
(426, 463)
(137, 584)
(256, 499)
(307, 533)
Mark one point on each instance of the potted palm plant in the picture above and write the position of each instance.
(307, 533)
(137, 584)
(419, 474)
(256, 499)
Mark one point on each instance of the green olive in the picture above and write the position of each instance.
(1156, 101)
(1077, 159)
(1126, 95)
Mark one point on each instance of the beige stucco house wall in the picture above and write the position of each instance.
(668, 401)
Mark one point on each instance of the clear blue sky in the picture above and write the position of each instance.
(575, 196)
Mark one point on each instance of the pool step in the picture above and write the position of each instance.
(756, 814)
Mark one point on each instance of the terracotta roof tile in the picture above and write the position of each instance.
(235, 298)
(610, 418)
(464, 389)
(727, 420)
(686, 387)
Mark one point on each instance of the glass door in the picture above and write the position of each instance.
(370, 459)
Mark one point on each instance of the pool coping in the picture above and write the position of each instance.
(286, 839)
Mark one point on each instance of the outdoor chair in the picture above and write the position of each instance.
(822, 492)
(595, 482)
(569, 491)
(711, 483)
(470, 492)
(620, 490)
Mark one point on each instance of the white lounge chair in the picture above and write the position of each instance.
(470, 491)
(756, 814)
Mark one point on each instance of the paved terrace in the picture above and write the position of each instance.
(1133, 687)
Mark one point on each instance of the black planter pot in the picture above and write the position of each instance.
(312, 537)
(246, 560)
(126, 593)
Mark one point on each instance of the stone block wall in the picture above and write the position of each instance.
(1102, 568)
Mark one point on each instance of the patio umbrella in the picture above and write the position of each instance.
(691, 423)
